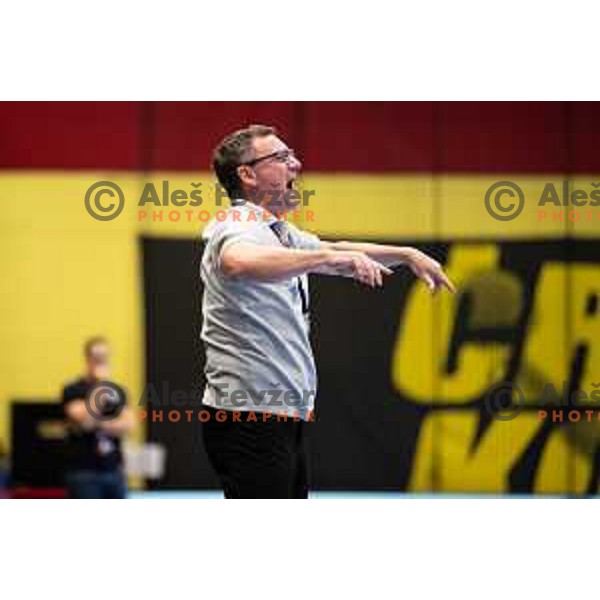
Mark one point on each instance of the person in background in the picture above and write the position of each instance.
(97, 418)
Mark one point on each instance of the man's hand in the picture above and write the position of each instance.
(429, 270)
(423, 266)
(356, 265)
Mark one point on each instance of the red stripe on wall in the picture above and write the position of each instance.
(186, 133)
(503, 137)
(70, 135)
(584, 125)
(368, 137)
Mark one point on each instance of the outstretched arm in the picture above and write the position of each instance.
(362, 261)
(266, 263)
(423, 266)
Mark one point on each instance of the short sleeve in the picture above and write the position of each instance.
(305, 240)
(70, 393)
(228, 234)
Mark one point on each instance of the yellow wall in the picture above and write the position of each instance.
(66, 276)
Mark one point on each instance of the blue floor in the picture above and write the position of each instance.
(216, 494)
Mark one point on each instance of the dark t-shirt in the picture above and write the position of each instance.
(90, 450)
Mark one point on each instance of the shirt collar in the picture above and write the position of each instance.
(262, 214)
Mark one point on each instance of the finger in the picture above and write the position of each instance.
(371, 270)
(445, 281)
(449, 285)
(378, 277)
(379, 270)
(366, 279)
(367, 269)
(359, 274)
(369, 275)
(360, 271)
(375, 271)
(429, 281)
(375, 276)
(382, 268)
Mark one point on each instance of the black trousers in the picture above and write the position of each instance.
(257, 459)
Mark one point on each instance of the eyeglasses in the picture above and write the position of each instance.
(281, 156)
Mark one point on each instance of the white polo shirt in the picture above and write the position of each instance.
(258, 353)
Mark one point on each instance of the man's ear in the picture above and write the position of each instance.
(246, 174)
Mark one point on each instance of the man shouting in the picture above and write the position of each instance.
(255, 316)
